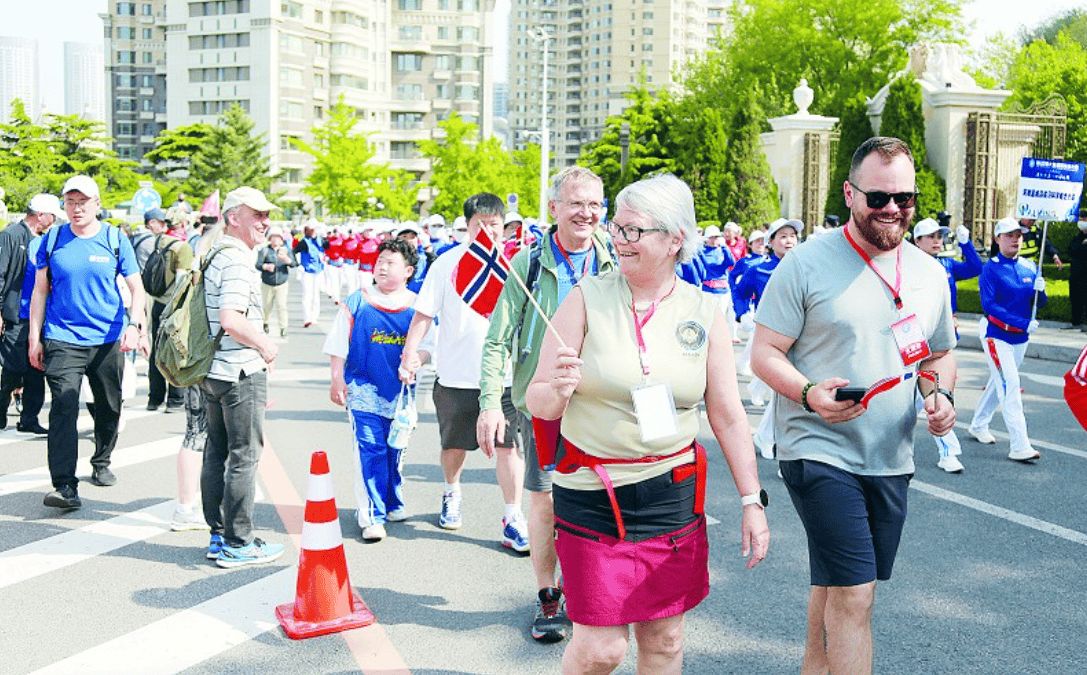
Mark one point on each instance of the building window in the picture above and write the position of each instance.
(409, 92)
(292, 176)
(218, 7)
(290, 43)
(409, 5)
(146, 9)
(148, 34)
(126, 57)
(349, 49)
(148, 57)
(126, 104)
(350, 81)
(411, 33)
(147, 105)
(647, 31)
(229, 74)
(126, 8)
(285, 142)
(468, 63)
(291, 77)
(467, 33)
(318, 112)
(291, 9)
(443, 5)
(126, 33)
(403, 150)
(221, 41)
(444, 92)
(126, 81)
(350, 19)
(409, 62)
(467, 92)
(407, 120)
(443, 32)
(443, 62)
(215, 107)
(467, 5)
(126, 129)
(292, 109)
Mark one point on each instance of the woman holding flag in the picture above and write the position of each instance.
(1011, 290)
(631, 356)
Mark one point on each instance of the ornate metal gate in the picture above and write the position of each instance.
(996, 143)
(819, 149)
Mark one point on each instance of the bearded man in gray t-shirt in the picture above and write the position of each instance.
(855, 309)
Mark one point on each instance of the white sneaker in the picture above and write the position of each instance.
(373, 533)
(1028, 455)
(187, 521)
(765, 449)
(950, 464)
(397, 515)
(982, 436)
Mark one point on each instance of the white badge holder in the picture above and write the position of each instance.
(655, 409)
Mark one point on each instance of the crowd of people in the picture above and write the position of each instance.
(579, 357)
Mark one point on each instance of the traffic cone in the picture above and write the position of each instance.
(324, 601)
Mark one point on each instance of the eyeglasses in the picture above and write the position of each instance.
(629, 233)
(78, 204)
(877, 199)
(578, 207)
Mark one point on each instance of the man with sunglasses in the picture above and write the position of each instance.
(855, 309)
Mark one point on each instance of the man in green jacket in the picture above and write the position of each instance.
(550, 268)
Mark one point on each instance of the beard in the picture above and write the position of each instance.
(883, 238)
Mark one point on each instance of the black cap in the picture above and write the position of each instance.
(943, 218)
(832, 220)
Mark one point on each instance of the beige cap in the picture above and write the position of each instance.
(1006, 225)
(251, 197)
(928, 226)
(46, 204)
(84, 184)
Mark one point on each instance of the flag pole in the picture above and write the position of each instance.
(1041, 258)
(528, 294)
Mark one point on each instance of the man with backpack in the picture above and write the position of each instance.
(167, 256)
(550, 269)
(78, 327)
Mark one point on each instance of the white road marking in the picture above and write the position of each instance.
(189, 637)
(83, 424)
(1044, 445)
(1000, 512)
(122, 457)
(1048, 380)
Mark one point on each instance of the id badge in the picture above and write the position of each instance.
(909, 337)
(656, 411)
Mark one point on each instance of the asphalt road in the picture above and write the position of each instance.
(990, 577)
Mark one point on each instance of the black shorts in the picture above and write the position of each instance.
(458, 411)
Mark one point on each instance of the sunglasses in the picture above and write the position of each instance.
(877, 199)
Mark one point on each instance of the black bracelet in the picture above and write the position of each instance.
(804, 397)
(948, 394)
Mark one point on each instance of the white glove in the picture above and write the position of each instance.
(1032, 327)
(962, 235)
(1039, 284)
(747, 322)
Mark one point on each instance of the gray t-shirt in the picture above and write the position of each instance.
(826, 297)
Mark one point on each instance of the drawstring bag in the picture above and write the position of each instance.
(405, 418)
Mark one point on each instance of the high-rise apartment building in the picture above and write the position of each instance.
(401, 65)
(84, 82)
(598, 50)
(19, 76)
(135, 59)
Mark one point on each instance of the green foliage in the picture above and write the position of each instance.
(1071, 22)
(463, 166)
(1042, 69)
(854, 128)
(902, 118)
(231, 156)
(39, 157)
(748, 192)
(345, 179)
(991, 62)
(703, 149)
(174, 148)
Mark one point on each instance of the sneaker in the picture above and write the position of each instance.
(152, 407)
(17, 399)
(63, 498)
(450, 517)
(950, 464)
(549, 624)
(515, 534)
(215, 547)
(103, 477)
(373, 533)
(252, 554)
(187, 521)
(397, 515)
(1028, 455)
(982, 436)
(31, 428)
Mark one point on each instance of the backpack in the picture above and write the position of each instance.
(183, 351)
(156, 268)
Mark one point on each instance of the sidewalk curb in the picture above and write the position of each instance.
(1047, 344)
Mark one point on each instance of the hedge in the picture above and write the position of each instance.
(1057, 309)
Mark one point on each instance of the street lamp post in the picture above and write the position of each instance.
(542, 38)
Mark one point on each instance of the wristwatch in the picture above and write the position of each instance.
(138, 325)
(760, 499)
(948, 394)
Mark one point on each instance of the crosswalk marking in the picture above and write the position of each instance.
(83, 424)
(210, 628)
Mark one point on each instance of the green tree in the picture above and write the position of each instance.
(1072, 22)
(344, 175)
(232, 156)
(854, 128)
(175, 148)
(27, 162)
(903, 118)
(1041, 70)
(749, 195)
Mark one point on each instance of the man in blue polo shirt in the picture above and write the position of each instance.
(78, 327)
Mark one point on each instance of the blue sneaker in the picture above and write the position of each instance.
(515, 534)
(450, 517)
(253, 554)
(215, 546)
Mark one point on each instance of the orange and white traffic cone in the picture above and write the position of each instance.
(324, 601)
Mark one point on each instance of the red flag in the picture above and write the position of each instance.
(1075, 388)
(480, 274)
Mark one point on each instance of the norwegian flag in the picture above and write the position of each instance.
(480, 274)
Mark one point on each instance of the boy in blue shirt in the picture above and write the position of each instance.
(364, 347)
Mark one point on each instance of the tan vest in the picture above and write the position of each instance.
(600, 416)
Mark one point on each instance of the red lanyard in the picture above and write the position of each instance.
(640, 323)
(570, 263)
(898, 270)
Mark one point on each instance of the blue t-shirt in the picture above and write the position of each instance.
(373, 357)
(84, 305)
(569, 272)
(29, 277)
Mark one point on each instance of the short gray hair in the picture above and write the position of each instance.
(668, 202)
(571, 174)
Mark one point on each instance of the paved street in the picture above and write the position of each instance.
(990, 577)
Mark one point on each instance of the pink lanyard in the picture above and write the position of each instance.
(643, 357)
(895, 294)
(570, 263)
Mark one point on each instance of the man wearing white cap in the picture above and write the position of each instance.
(237, 385)
(929, 236)
(14, 246)
(78, 328)
(1008, 287)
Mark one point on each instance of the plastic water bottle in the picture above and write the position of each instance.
(403, 423)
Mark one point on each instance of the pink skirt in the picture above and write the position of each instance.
(612, 582)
